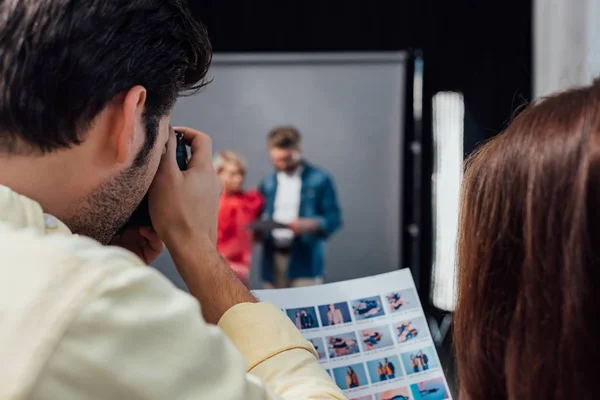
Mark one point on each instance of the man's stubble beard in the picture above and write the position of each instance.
(102, 213)
(290, 169)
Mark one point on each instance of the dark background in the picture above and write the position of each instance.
(482, 48)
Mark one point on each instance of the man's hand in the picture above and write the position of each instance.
(184, 207)
(304, 225)
(144, 242)
(185, 203)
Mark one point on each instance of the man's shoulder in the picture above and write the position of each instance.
(268, 183)
(314, 169)
(60, 250)
(45, 283)
(317, 174)
(38, 268)
(48, 267)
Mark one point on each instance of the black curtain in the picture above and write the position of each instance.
(480, 47)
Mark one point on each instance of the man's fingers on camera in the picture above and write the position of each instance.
(201, 145)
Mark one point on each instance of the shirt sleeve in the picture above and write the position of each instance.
(141, 338)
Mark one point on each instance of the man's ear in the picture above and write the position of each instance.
(128, 130)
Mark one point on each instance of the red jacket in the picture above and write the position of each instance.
(234, 240)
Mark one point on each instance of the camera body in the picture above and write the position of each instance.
(141, 215)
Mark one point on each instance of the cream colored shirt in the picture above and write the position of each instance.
(80, 321)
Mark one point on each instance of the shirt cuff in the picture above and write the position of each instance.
(261, 331)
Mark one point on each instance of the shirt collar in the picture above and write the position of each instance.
(22, 212)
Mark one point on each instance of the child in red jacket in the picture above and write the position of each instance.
(237, 210)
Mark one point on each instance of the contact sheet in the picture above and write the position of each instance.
(370, 334)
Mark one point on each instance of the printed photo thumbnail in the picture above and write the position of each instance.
(410, 329)
(350, 377)
(319, 345)
(394, 394)
(419, 360)
(433, 389)
(335, 314)
(376, 338)
(384, 369)
(341, 345)
(366, 308)
(403, 300)
(304, 317)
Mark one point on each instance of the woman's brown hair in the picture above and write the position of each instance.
(526, 322)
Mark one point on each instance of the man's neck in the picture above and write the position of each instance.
(291, 172)
(46, 179)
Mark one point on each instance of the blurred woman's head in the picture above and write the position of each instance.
(529, 255)
(231, 168)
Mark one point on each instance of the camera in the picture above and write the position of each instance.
(141, 215)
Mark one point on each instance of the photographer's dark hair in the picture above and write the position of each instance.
(62, 61)
(284, 137)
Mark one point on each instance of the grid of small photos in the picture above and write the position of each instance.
(375, 348)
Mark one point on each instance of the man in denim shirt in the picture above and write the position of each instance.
(302, 197)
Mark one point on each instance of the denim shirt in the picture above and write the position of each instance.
(318, 200)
